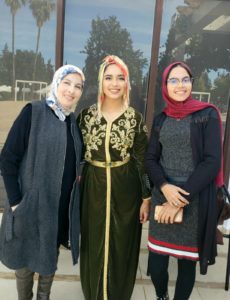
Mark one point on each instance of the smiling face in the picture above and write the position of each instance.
(114, 83)
(69, 90)
(179, 84)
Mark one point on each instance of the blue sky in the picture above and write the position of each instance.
(134, 15)
(26, 31)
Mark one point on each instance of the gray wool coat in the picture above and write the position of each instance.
(28, 236)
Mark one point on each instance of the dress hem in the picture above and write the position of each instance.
(177, 251)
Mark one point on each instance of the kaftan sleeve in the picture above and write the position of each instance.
(139, 148)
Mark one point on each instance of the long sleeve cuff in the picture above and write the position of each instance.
(12, 189)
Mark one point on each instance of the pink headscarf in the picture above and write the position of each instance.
(180, 110)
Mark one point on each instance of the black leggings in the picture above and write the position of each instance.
(158, 270)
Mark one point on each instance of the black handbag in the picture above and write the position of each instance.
(223, 204)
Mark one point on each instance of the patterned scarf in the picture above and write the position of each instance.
(52, 100)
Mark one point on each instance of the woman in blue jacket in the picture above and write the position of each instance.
(40, 168)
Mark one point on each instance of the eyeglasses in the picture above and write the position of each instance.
(175, 81)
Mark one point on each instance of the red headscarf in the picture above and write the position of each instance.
(179, 110)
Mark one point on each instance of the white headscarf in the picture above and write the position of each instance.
(52, 100)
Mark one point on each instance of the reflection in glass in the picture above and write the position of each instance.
(27, 55)
(27, 45)
(198, 32)
(104, 27)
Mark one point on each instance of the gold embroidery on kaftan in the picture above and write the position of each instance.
(121, 136)
(92, 135)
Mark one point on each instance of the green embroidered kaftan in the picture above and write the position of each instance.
(111, 199)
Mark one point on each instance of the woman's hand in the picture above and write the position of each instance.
(173, 195)
(144, 211)
(167, 213)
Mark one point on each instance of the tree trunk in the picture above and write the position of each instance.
(13, 58)
(36, 53)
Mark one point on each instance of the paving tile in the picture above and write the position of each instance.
(138, 275)
(213, 294)
(216, 273)
(143, 262)
(65, 265)
(66, 290)
(144, 238)
(195, 295)
(7, 289)
(150, 293)
(138, 293)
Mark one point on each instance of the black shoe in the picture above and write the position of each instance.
(165, 297)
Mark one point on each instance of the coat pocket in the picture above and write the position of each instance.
(25, 216)
(8, 224)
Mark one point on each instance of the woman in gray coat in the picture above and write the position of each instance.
(40, 168)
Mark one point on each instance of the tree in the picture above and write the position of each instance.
(108, 37)
(24, 61)
(14, 7)
(202, 83)
(204, 51)
(221, 91)
(41, 10)
(5, 66)
(165, 57)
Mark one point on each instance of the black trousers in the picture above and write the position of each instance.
(158, 270)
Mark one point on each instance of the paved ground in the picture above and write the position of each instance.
(67, 281)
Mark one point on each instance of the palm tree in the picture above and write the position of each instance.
(14, 6)
(41, 10)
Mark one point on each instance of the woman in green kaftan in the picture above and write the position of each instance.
(114, 195)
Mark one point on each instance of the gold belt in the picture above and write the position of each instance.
(105, 164)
